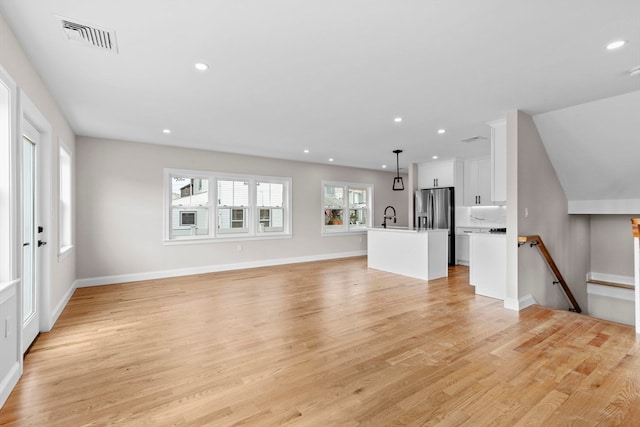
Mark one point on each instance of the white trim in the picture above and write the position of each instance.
(613, 278)
(622, 206)
(520, 304)
(60, 307)
(344, 228)
(636, 281)
(611, 292)
(151, 275)
(9, 295)
(31, 114)
(9, 381)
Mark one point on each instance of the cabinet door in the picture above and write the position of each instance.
(484, 182)
(499, 161)
(477, 182)
(462, 249)
(440, 174)
(470, 182)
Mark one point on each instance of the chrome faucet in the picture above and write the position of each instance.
(386, 217)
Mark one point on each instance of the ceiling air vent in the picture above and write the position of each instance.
(90, 36)
(473, 139)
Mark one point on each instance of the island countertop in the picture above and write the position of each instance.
(410, 229)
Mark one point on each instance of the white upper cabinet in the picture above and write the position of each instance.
(477, 182)
(438, 174)
(499, 161)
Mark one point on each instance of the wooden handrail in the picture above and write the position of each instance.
(635, 226)
(537, 241)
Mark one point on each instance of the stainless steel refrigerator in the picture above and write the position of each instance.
(434, 208)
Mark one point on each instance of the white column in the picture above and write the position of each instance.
(636, 258)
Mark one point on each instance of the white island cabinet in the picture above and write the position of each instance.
(422, 254)
(488, 264)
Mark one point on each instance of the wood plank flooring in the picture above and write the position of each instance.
(322, 344)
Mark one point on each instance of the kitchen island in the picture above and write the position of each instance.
(419, 253)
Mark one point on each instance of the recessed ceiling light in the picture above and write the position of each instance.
(384, 166)
(434, 157)
(201, 66)
(398, 120)
(441, 131)
(616, 44)
(331, 160)
(166, 130)
(305, 151)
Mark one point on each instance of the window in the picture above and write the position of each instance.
(65, 208)
(190, 206)
(346, 207)
(210, 205)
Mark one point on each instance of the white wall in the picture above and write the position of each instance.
(120, 220)
(18, 66)
(566, 236)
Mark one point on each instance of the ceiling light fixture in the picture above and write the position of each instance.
(167, 131)
(331, 159)
(441, 131)
(201, 66)
(305, 151)
(434, 157)
(616, 44)
(398, 120)
(398, 185)
(384, 166)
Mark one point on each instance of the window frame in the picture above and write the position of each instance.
(253, 210)
(346, 228)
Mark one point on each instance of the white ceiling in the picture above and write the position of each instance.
(329, 75)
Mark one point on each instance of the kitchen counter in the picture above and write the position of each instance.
(419, 253)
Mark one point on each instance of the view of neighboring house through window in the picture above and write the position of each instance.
(233, 203)
(189, 206)
(208, 205)
(346, 207)
(269, 197)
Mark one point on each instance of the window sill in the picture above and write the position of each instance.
(64, 252)
(343, 233)
(199, 241)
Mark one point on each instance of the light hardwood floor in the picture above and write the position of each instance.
(322, 344)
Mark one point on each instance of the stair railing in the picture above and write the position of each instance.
(537, 241)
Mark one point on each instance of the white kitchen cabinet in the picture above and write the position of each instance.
(477, 182)
(488, 264)
(462, 249)
(437, 174)
(499, 161)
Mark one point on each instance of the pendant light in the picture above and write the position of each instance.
(398, 185)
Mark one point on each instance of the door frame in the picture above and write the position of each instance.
(44, 181)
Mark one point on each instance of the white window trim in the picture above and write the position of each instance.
(344, 230)
(63, 251)
(214, 236)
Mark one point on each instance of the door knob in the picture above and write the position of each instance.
(41, 243)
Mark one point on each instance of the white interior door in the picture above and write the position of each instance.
(30, 243)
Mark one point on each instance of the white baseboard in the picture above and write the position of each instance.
(61, 305)
(521, 304)
(9, 382)
(151, 275)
